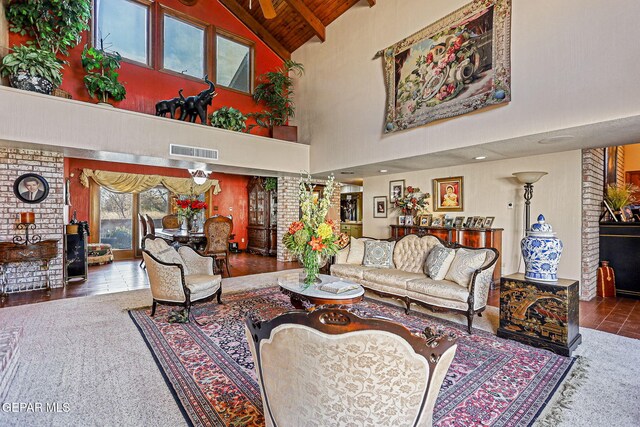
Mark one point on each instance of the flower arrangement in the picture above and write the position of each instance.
(189, 208)
(412, 200)
(313, 238)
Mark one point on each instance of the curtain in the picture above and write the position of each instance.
(121, 182)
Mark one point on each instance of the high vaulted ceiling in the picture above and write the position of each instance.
(295, 23)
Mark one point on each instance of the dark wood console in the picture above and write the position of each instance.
(43, 251)
(620, 245)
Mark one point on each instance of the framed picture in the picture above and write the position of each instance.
(458, 64)
(458, 222)
(401, 220)
(447, 194)
(31, 188)
(408, 220)
(488, 222)
(448, 222)
(437, 222)
(479, 222)
(425, 220)
(468, 223)
(626, 214)
(396, 190)
(380, 207)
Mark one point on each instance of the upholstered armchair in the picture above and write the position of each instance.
(181, 277)
(217, 230)
(332, 367)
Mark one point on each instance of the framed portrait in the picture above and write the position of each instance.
(437, 222)
(448, 194)
(425, 220)
(31, 188)
(380, 207)
(488, 222)
(408, 220)
(448, 222)
(396, 190)
(401, 220)
(479, 222)
(458, 222)
(468, 223)
(626, 214)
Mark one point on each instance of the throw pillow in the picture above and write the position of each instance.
(356, 251)
(438, 262)
(342, 255)
(378, 254)
(464, 264)
(171, 256)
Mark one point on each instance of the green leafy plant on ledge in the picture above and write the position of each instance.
(36, 62)
(271, 184)
(101, 80)
(228, 118)
(619, 196)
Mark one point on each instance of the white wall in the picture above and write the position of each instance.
(489, 187)
(571, 65)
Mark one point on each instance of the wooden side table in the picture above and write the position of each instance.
(540, 314)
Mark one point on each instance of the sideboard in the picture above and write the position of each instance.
(473, 237)
(43, 252)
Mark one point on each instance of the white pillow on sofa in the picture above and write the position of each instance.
(464, 264)
(438, 262)
(356, 251)
(378, 254)
(342, 255)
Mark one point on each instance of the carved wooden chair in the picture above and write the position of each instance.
(336, 368)
(142, 233)
(179, 277)
(170, 221)
(151, 227)
(217, 230)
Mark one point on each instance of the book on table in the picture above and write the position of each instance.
(338, 287)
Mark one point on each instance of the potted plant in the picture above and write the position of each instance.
(55, 27)
(619, 196)
(275, 90)
(228, 118)
(102, 78)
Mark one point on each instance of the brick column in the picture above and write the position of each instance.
(592, 196)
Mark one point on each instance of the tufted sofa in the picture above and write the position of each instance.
(407, 281)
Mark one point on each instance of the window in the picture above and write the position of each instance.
(124, 25)
(233, 64)
(155, 203)
(116, 219)
(184, 47)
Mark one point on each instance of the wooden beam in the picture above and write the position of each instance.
(257, 28)
(310, 18)
(371, 3)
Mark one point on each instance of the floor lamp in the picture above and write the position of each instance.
(528, 179)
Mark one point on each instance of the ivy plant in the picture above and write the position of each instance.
(102, 75)
(37, 62)
(228, 118)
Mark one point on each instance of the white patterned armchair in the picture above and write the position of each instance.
(330, 367)
(181, 277)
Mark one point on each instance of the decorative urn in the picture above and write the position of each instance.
(541, 250)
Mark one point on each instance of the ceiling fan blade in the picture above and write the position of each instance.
(268, 10)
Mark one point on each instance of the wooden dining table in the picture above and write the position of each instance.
(195, 239)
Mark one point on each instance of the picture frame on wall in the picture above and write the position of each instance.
(31, 188)
(448, 194)
(488, 222)
(468, 223)
(425, 220)
(458, 222)
(380, 207)
(396, 190)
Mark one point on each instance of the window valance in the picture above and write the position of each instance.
(121, 182)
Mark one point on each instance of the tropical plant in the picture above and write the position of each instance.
(619, 196)
(55, 25)
(102, 78)
(35, 61)
(313, 237)
(275, 90)
(228, 118)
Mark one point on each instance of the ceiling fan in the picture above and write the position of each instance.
(268, 10)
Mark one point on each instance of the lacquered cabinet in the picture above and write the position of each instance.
(263, 214)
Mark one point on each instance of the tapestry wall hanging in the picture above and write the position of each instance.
(458, 64)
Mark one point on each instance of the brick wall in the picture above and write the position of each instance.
(49, 213)
(592, 196)
(289, 210)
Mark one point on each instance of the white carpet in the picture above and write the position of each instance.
(87, 353)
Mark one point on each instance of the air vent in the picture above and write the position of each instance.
(186, 151)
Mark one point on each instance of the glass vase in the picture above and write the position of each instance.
(312, 261)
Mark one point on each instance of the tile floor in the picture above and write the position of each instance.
(619, 316)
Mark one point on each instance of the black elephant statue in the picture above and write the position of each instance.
(170, 106)
(196, 105)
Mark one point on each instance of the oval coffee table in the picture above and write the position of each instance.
(291, 285)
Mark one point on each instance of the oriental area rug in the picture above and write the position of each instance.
(491, 382)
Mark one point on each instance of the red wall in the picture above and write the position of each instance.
(146, 86)
(233, 199)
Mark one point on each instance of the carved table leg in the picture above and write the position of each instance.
(297, 303)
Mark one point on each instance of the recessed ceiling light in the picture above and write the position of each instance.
(383, 171)
(347, 173)
(556, 139)
(480, 158)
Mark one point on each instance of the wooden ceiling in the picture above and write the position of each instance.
(295, 23)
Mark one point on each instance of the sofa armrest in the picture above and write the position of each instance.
(481, 281)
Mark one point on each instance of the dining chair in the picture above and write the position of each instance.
(334, 367)
(170, 221)
(151, 227)
(217, 230)
(142, 234)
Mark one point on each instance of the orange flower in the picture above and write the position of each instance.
(295, 226)
(316, 244)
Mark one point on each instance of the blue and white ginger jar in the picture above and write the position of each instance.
(541, 250)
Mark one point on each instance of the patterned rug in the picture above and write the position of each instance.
(491, 382)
